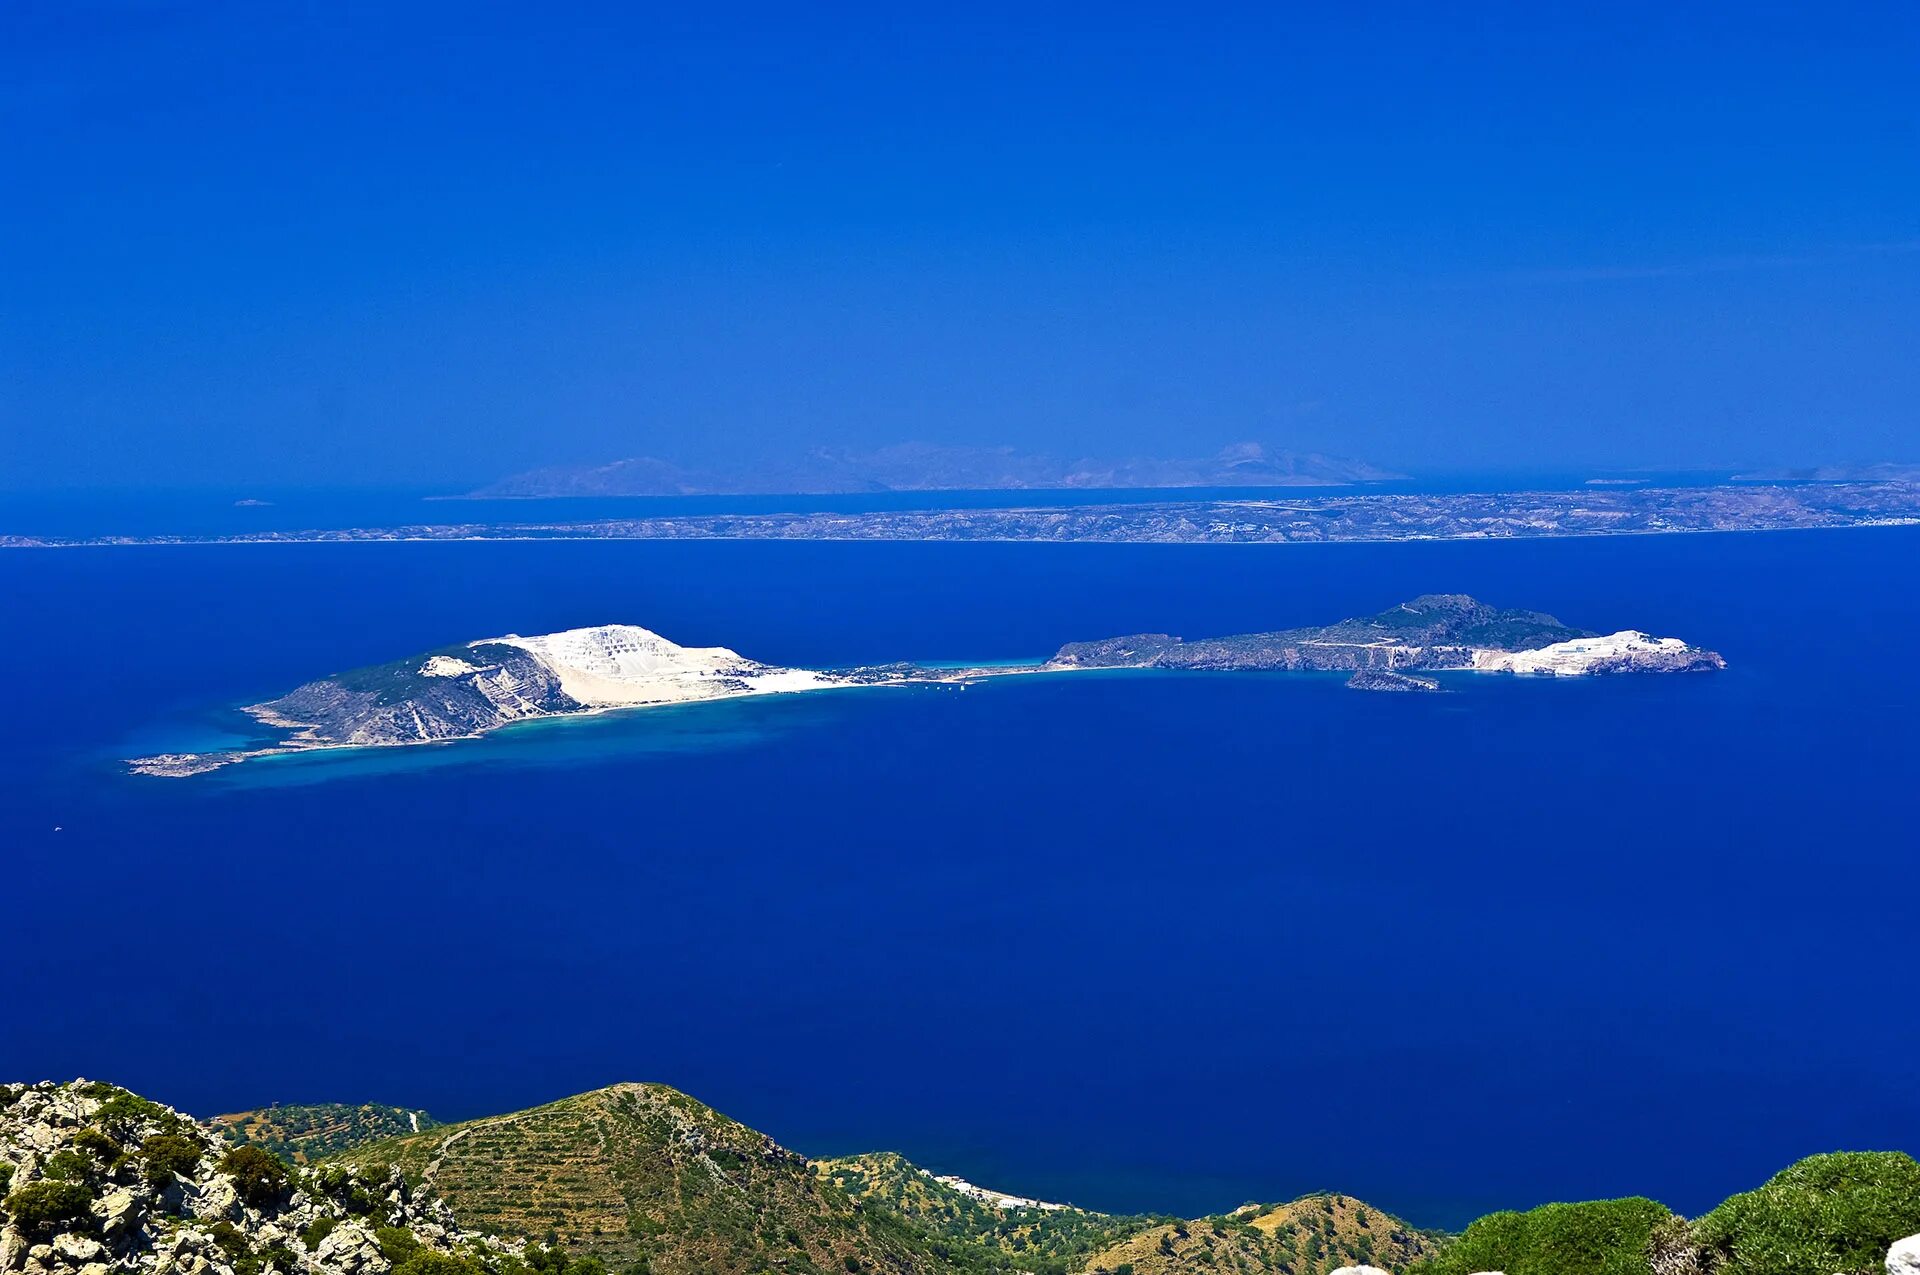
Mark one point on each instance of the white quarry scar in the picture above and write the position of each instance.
(621, 665)
(1573, 658)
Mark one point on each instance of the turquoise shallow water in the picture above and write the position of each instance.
(561, 742)
(1136, 941)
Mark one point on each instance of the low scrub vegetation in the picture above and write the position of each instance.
(1827, 1213)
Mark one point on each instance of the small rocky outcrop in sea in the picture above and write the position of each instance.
(99, 1181)
(1380, 679)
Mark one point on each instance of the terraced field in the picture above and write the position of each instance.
(1309, 1236)
(644, 1174)
(311, 1131)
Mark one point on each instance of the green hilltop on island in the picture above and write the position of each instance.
(641, 1179)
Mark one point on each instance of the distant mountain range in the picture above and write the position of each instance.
(931, 467)
(1877, 472)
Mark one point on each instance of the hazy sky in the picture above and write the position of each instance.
(410, 243)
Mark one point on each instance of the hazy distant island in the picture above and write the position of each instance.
(463, 691)
(1874, 472)
(930, 467)
(1373, 517)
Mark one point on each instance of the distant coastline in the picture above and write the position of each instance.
(1357, 518)
(930, 467)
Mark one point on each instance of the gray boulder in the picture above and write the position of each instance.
(350, 1249)
(119, 1214)
(189, 1252)
(77, 1250)
(13, 1249)
(1904, 1257)
(217, 1199)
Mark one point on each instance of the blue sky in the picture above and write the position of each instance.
(421, 244)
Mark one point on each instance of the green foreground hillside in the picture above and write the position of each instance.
(1825, 1215)
(644, 1180)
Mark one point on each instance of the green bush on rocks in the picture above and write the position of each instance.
(259, 1176)
(397, 1243)
(316, 1231)
(45, 1208)
(1600, 1237)
(68, 1165)
(1827, 1213)
(168, 1155)
(346, 1190)
(429, 1263)
(104, 1150)
(124, 1115)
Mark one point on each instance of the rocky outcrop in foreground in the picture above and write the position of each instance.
(98, 1181)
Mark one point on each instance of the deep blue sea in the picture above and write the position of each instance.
(1135, 941)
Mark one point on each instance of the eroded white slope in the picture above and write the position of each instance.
(1627, 648)
(620, 665)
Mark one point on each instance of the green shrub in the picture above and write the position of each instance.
(259, 1176)
(124, 1115)
(45, 1208)
(169, 1155)
(548, 1258)
(318, 1231)
(1827, 1213)
(1600, 1237)
(104, 1150)
(278, 1256)
(68, 1165)
(346, 1190)
(229, 1238)
(427, 1263)
(397, 1243)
